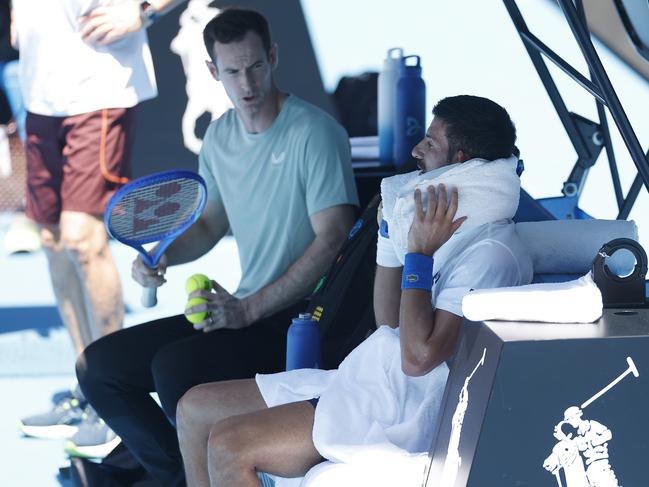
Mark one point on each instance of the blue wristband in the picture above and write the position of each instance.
(383, 229)
(417, 272)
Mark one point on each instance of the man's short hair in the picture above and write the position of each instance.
(231, 25)
(477, 126)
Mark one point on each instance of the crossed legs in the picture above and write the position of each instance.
(227, 433)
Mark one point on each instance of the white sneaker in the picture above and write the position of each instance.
(94, 439)
(62, 421)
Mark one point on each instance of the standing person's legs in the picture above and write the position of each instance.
(74, 165)
(97, 161)
(227, 433)
(44, 179)
(84, 277)
(70, 296)
(45, 171)
(85, 241)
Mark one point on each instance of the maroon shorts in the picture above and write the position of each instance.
(76, 163)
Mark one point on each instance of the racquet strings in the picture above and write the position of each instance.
(151, 212)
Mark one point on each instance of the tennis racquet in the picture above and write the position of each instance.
(155, 208)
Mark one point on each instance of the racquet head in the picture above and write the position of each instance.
(155, 208)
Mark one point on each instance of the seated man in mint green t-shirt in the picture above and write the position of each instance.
(279, 175)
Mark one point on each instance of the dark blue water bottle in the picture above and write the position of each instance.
(410, 110)
(303, 343)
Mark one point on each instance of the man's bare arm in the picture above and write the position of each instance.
(199, 239)
(227, 311)
(331, 227)
(387, 295)
(111, 22)
(428, 336)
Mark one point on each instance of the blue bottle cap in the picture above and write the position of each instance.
(410, 70)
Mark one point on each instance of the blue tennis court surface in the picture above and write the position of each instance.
(36, 355)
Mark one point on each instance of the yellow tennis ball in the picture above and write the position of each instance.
(196, 317)
(198, 281)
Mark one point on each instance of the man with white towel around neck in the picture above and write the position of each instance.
(445, 230)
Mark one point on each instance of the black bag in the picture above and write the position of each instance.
(355, 100)
(342, 302)
(118, 469)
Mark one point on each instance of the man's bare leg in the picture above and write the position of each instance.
(277, 440)
(67, 288)
(85, 239)
(84, 277)
(200, 409)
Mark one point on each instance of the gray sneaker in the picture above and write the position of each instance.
(94, 439)
(62, 421)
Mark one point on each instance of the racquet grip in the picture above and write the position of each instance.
(149, 298)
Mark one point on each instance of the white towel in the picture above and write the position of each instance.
(293, 385)
(488, 191)
(372, 410)
(578, 301)
(372, 420)
(406, 471)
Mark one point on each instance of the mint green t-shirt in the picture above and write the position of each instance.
(271, 182)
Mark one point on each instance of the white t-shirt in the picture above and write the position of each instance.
(492, 255)
(61, 75)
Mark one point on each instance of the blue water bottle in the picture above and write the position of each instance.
(410, 110)
(303, 343)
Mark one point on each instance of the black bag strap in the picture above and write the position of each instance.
(361, 239)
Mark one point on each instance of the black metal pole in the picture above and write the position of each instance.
(605, 131)
(546, 78)
(610, 155)
(533, 41)
(627, 205)
(582, 37)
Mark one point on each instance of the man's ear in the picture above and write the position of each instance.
(273, 56)
(460, 156)
(213, 71)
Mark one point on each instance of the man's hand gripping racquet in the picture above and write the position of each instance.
(155, 208)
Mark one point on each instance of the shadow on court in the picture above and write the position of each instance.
(41, 319)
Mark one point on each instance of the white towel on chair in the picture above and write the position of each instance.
(578, 301)
(487, 191)
(406, 471)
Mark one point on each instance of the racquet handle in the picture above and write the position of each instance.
(149, 298)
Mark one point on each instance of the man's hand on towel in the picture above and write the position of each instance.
(224, 310)
(431, 228)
